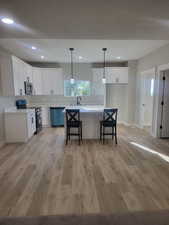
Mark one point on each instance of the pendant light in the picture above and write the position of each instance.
(72, 80)
(104, 66)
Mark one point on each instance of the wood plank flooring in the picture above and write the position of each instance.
(45, 177)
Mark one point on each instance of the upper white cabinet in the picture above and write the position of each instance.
(115, 75)
(14, 71)
(52, 81)
(19, 76)
(37, 81)
(21, 72)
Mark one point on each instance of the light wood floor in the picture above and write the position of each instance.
(46, 177)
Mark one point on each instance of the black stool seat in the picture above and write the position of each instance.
(73, 121)
(109, 121)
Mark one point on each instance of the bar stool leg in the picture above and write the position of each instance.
(66, 135)
(100, 131)
(103, 133)
(79, 134)
(116, 135)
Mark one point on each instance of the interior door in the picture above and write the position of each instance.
(147, 99)
(142, 106)
(164, 90)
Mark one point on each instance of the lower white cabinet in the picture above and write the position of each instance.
(45, 117)
(20, 125)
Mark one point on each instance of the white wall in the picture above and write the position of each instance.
(5, 102)
(154, 59)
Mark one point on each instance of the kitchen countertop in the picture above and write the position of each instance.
(15, 110)
(87, 108)
(46, 105)
(83, 108)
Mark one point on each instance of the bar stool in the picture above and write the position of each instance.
(109, 121)
(73, 121)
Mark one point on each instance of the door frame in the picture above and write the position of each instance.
(143, 75)
(157, 109)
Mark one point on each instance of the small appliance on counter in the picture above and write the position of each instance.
(22, 104)
(28, 87)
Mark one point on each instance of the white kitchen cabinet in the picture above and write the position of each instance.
(37, 81)
(18, 76)
(27, 72)
(13, 73)
(20, 125)
(97, 86)
(115, 75)
(52, 81)
(45, 117)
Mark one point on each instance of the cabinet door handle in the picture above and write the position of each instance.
(32, 120)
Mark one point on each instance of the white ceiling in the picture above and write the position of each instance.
(55, 50)
(86, 19)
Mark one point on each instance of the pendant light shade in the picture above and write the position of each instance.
(72, 80)
(104, 66)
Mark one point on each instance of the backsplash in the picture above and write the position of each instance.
(62, 100)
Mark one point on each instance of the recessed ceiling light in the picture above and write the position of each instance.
(80, 57)
(7, 20)
(42, 57)
(118, 57)
(34, 48)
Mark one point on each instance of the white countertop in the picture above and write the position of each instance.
(88, 108)
(48, 105)
(15, 110)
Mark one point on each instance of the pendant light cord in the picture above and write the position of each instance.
(104, 64)
(71, 50)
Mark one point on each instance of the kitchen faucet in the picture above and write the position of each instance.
(78, 98)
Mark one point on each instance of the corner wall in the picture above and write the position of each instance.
(5, 102)
(152, 60)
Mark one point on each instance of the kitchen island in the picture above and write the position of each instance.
(90, 117)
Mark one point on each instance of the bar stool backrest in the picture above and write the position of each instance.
(110, 115)
(72, 115)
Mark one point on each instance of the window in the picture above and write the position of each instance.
(152, 87)
(78, 88)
